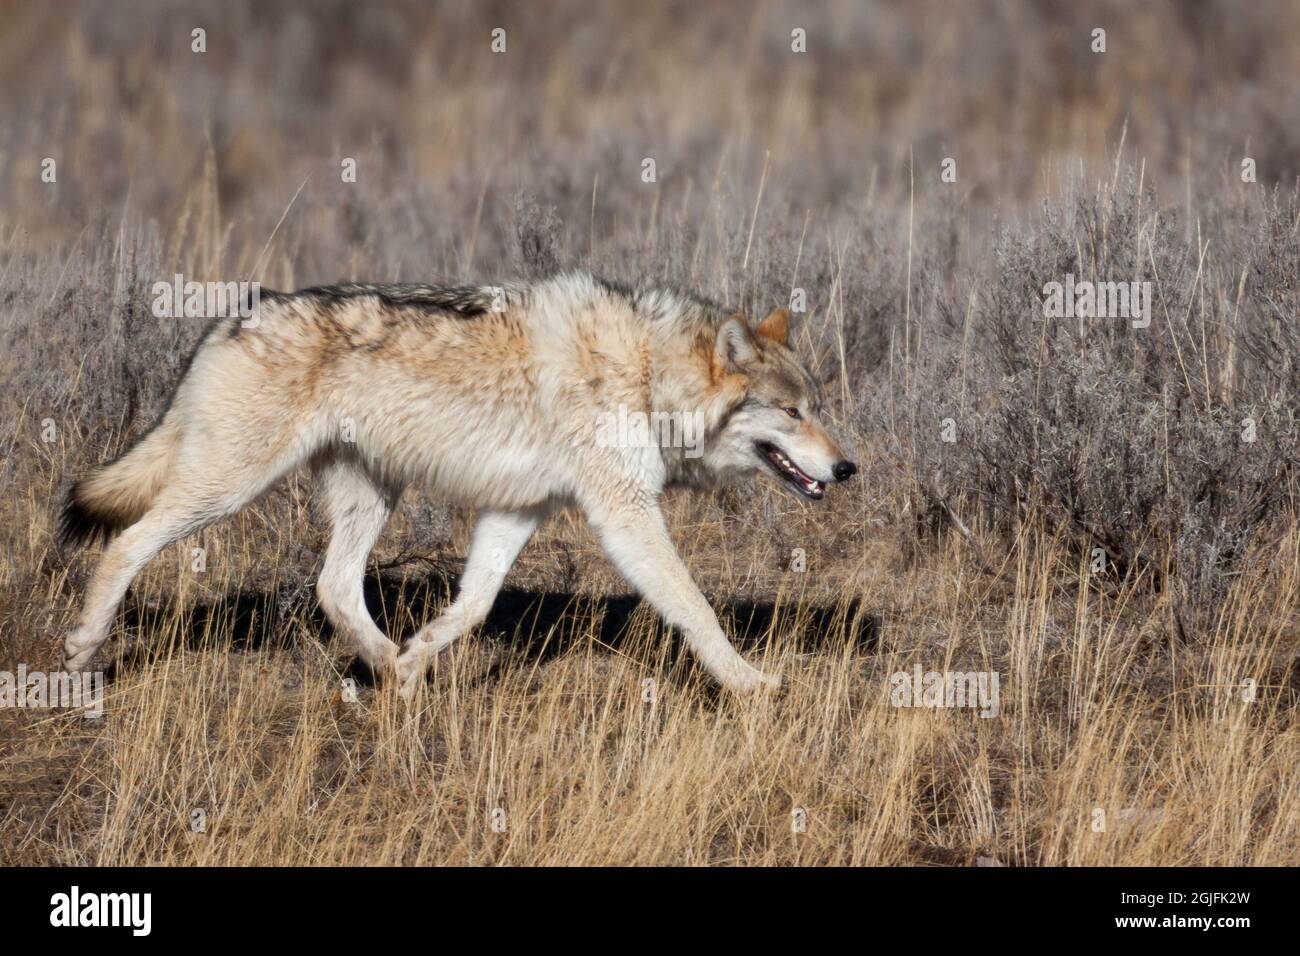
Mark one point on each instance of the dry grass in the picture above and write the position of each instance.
(1123, 692)
(1101, 710)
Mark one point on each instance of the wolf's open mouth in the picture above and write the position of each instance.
(789, 471)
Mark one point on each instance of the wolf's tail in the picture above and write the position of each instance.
(116, 495)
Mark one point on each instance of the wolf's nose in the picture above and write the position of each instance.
(844, 470)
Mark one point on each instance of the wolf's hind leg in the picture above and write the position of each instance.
(170, 518)
(215, 482)
(358, 509)
(637, 541)
(498, 538)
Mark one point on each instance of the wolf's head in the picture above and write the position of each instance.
(776, 427)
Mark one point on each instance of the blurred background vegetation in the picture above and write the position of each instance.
(774, 170)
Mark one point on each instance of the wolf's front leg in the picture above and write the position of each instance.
(498, 538)
(637, 541)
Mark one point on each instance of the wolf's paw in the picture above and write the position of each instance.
(381, 658)
(409, 667)
(752, 680)
(77, 655)
(770, 684)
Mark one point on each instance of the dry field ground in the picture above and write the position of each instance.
(1104, 516)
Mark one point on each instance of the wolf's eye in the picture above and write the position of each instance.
(791, 411)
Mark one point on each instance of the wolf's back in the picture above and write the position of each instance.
(292, 331)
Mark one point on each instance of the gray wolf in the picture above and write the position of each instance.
(489, 396)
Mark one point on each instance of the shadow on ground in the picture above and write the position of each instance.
(537, 625)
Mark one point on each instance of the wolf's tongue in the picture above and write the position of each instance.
(810, 485)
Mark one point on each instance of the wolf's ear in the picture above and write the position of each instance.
(776, 327)
(735, 344)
